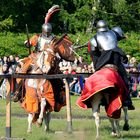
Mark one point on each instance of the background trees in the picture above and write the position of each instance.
(77, 17)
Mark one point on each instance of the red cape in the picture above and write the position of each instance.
(99, 81)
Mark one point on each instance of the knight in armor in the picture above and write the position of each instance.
(40, 41)
(104, 51)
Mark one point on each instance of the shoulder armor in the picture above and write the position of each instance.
(106, 40)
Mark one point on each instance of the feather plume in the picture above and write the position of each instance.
(51, 11)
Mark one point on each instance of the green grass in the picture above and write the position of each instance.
(82, 124)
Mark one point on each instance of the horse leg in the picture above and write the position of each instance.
(43, 104)
(47, 118)
(117, 127)
(126, 124)
(30, 118)
(114, 122)
(95, 102)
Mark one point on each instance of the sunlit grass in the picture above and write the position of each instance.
(82, 124)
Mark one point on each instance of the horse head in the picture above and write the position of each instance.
(63, 47)
(48, 59)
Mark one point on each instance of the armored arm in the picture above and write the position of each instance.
(33, 41)
(93, 50)
(119, 33)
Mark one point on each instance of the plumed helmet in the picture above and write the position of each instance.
(47, 28)
(119, 31)
(101, 26)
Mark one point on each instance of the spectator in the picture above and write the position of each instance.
(138, 90)
(17, 58)
(64, 65)
(11, 61)
(5, 60)
(5, 69)
(133, 62)
(134, 82)
(4, 82)
(81, 63)
(1, 61)
(90, 69)
(138, 66)
(75, 87)
(78, 70)
(1, 69)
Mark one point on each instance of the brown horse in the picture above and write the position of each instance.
(43, 94)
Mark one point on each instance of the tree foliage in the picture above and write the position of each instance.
(76, 14)
(77, 17)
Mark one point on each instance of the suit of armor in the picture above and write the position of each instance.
(40, 41)
(44, 39)
(104, 51)
(104, 45)
(104, 41)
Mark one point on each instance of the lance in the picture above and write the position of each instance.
(28, 39)
(81, 46)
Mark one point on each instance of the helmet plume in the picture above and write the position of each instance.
(50, 12)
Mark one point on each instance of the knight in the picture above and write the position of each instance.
(104, 51)
(40, 41)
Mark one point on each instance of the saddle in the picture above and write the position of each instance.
(111, 66)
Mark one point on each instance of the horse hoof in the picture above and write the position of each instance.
(29, 131)
(126, 127)
(38, 124)
(40, 120)
(114, 134)
(131, 107)
(14, 99)
(49, 131)
(97, 138)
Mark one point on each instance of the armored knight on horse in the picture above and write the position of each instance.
(109, 82)
(42, 95)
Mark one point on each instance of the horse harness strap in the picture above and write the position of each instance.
(50, 51)
(47, 50)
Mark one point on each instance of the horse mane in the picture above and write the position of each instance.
(64, 48)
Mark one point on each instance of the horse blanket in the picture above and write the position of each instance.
(100, 81)
(31, 102)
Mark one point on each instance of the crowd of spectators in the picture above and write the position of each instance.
(133, 70)
(80, 66)
(76, 67)
(8, 66)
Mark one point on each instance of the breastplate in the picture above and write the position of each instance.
(42, 41)
(106, 40)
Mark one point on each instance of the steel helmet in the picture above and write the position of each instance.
(101, 26)
(47, 28)
(119, 31)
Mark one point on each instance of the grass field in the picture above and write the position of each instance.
(82, 124)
